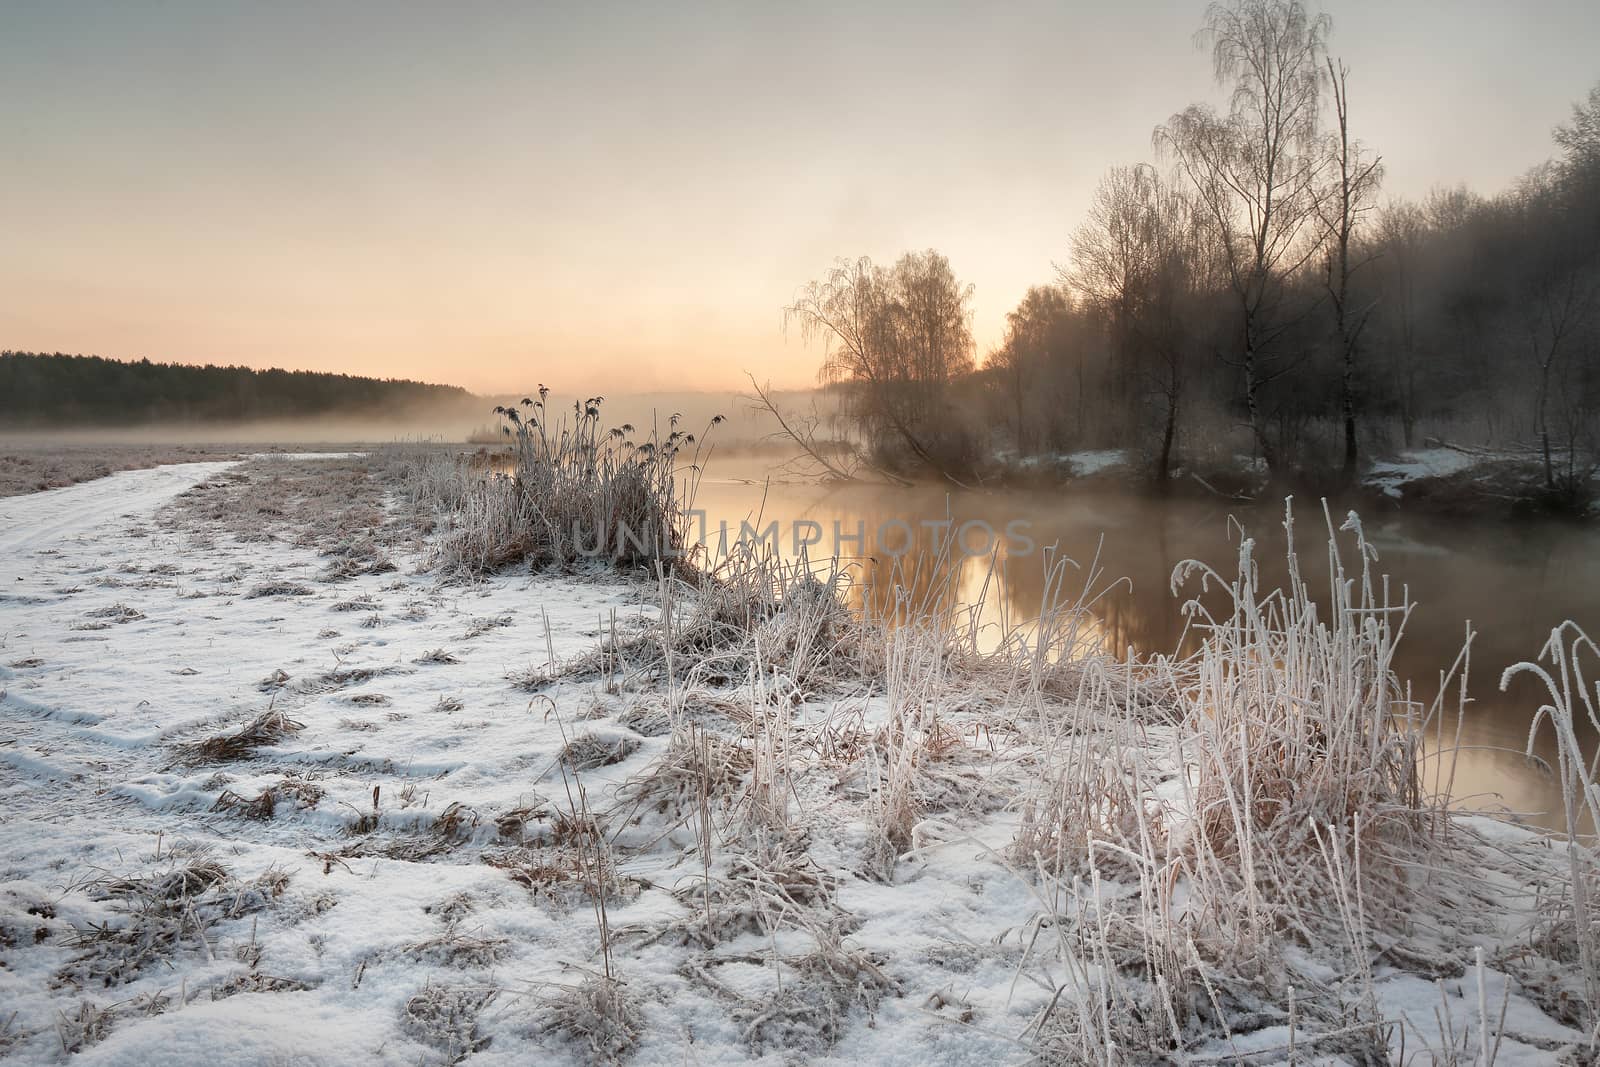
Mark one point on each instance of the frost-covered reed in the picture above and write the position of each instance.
(578, 490)
(1574, 706)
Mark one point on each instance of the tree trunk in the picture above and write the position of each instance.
(1081, 401)
(1347, 381)
(1349, 447)
(1022, 439)
(1164, 461)
(1544, 425)
(1252, 403)
(1408, 408)
(1549, 470)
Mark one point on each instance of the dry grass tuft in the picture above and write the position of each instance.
(813, 996)
(345, 677)
(303, 794)
(483, 624)
(1272, 805)
(562, 878)
(86, 1026)
(771, 884)
(268, 728)
(599, 1015)
(513, 825)
(279, 588)
(452, 948)
(578, 493)
(446, 1018)
(589, 751)
(456, 823)
(646, 719)
(697, 766)
(256, 982)
(170, 886)
(356, 555)
(274, 681)
(453, 827)
(159, 914)
(1571, 921)
(115, 613)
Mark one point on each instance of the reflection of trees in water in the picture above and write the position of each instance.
(1513, 582)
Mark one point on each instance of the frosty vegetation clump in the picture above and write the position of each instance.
(1574, 706)
(575, 490)
(1200, 823)
(267, 728)
(1276, 805)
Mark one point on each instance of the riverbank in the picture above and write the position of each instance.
(278, 791)
(1438, 479)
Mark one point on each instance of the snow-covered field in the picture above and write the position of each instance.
(255, 812)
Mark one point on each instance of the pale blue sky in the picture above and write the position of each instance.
(493, 194)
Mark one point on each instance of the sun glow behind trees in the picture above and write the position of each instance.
(1246, 292)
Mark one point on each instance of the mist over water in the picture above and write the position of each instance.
(1513, 582)
(453, 422)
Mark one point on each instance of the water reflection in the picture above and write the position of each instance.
(1513, 582)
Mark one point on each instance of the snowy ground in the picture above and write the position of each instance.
(44, 461)
(123, 636)
(1081, 464)
(1391, 475)
(395, 874)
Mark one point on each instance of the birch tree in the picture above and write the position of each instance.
(1255, 169)
(1346, 203)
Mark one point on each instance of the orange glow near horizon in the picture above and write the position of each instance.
(622, 197)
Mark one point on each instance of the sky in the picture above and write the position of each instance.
(495, 195)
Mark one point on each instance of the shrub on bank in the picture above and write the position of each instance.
(574, 490)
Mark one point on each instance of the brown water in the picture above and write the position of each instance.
(1514, 582)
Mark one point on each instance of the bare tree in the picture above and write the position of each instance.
(1255, 170)
(1559, 304)
(1341, 209)
(899, 338)
(1037, 342)
(931, 316)
(1580, 138)
(1577, 403)
(1401, 237)
(1183, 280)
(1113, 257)
(832, 458)
(1142, 259)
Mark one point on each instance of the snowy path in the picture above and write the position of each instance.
(127, 631)
(38, 520)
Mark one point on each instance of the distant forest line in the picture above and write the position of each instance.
(39, 390)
